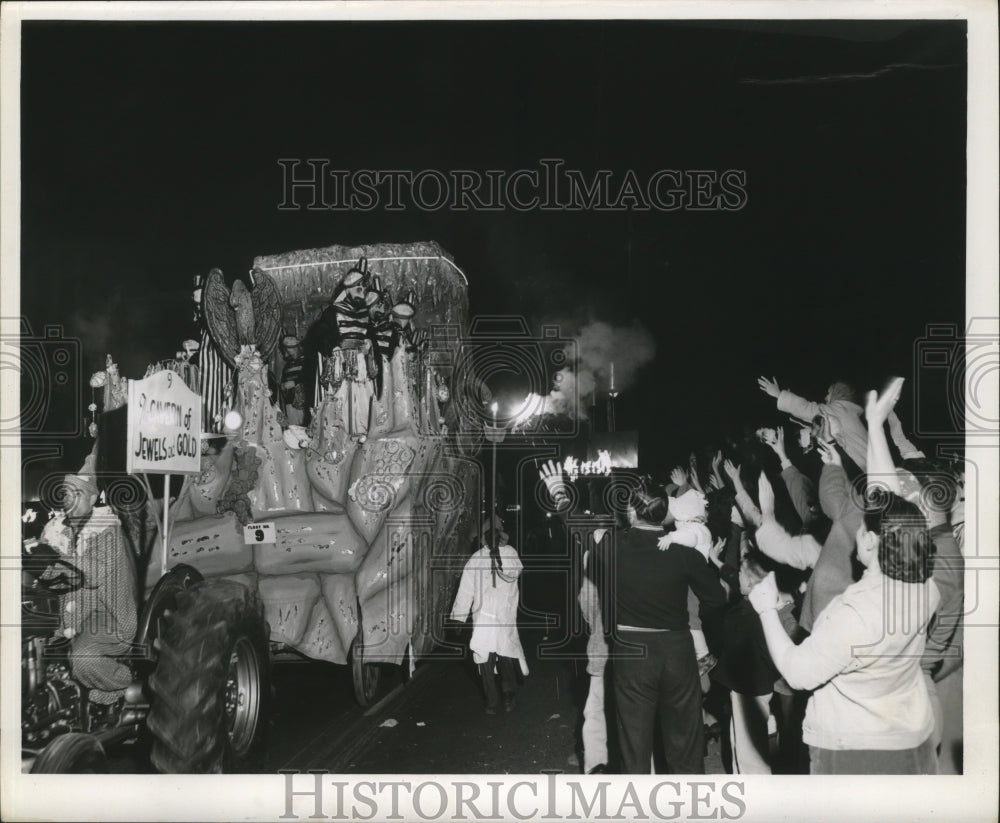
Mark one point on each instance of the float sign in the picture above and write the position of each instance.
(164, 425)
(258, 533)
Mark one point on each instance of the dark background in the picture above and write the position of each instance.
(149, 154)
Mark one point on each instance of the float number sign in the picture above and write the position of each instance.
(164, 425)
(258, 533)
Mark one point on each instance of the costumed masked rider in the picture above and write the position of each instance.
(293, 393)
(343, 338)
(384, 333)
(408, 355)
(410, 337)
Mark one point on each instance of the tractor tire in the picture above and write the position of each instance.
(157, 611)
(211, 683)
(72, 753)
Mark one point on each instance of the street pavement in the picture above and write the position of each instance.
(433, 724)
(436, 723)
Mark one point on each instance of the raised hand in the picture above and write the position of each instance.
(552, 476)
(895, 425)
(715, 553)
(716, 479)
(732, 470)
(766, 493)
(775, 439)
(678, 476)
(828, 451)
(769, 387)
(693, 473)
(764, 595)
(878, 406)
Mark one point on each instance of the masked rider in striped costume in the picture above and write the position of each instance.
(343, 338)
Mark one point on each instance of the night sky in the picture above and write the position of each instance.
(150, 154)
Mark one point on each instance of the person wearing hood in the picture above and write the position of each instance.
(488, 590)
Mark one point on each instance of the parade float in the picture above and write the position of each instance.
(360, 497)
(317, 495)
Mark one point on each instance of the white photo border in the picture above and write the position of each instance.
(972, 797)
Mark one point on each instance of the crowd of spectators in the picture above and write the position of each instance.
(801, 586)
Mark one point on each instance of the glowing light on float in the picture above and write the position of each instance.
(232, 421)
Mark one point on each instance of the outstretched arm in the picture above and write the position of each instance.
(800, 552)
(906, 449)
(821, 656)
(743, 500)
(877, 409)
(717, 469)
(789, 402)
(769, 387)
(775, 441)
(693, 473)
(800, 488)
(949, 577)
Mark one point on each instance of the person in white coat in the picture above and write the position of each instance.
(488, 591)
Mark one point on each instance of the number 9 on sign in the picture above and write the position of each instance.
(254, 533)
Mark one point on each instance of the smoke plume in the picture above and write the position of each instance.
(595, 347)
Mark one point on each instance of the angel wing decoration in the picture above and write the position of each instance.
(242, 303)
(242, 316)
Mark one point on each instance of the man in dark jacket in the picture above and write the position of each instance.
(653, 657)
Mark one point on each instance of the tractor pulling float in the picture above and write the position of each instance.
(328, 499)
